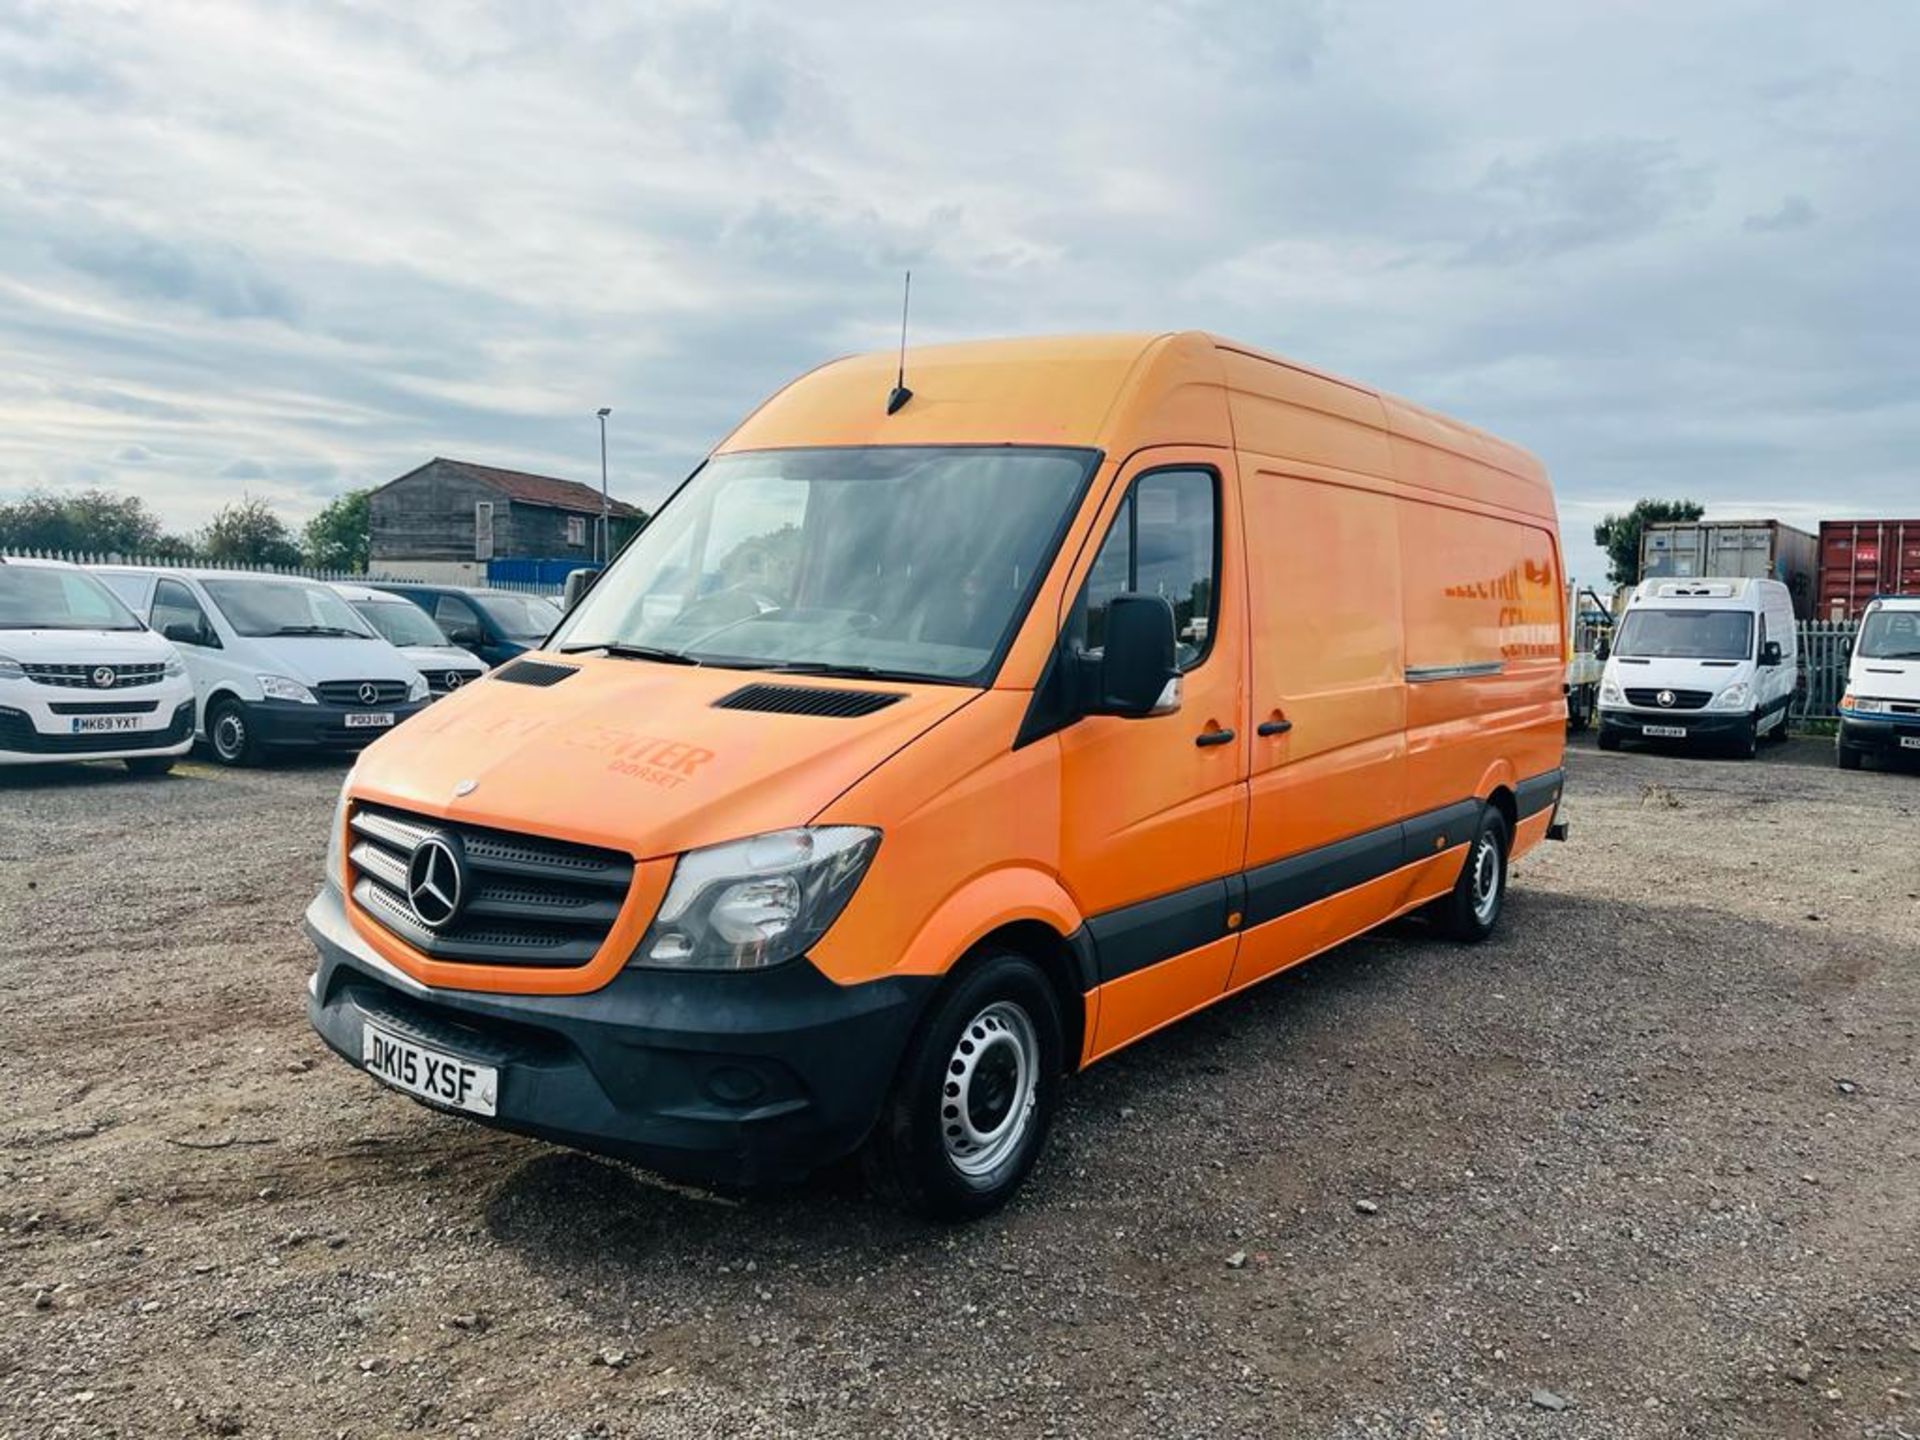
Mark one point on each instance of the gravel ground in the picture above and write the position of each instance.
(1644, 1165)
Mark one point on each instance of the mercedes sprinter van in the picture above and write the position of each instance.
(936, 740)
(1702, 662)
(1880, 713)
(81, 678)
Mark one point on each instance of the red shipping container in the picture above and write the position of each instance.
(1860, 559)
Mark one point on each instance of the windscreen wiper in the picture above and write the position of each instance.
(321, 630)
(632, 652)
(852, 672)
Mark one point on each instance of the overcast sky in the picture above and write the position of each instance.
(295, 248)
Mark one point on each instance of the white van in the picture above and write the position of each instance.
(1701, 662)
(1880, 713)
(411, 631)
(276, 662)
(81, 678)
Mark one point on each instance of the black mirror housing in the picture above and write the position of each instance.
(1601, 649)
(1138, 662)
(1770, 653)
(578, 583)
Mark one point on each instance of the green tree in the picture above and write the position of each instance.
(96, 521)
(336, 538)
(1619, 535)
(247, 532)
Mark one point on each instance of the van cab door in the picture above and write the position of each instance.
(1152, 811)
(1327, 773)
(179, 616)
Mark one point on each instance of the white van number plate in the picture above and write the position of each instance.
(431, 1074)
(94, 724)
(1665, 732)
(369, 720)
(1910, 742)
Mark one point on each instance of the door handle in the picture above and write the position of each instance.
(1213, 737)
(1274, 727)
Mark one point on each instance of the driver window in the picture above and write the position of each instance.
(455, 614)
(1163, 542)
(174, 606)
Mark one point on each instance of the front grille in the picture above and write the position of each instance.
(445, 682)
(17, 734)
(806, 700)
(81, 677)
(349, 692)
(1682, 699)
(103, 707)
(524, 900)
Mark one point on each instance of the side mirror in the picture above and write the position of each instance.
(1770, 653)
(466, 635)
(578, 583)
(1601, 649)
(1137, 676)
(184, 632)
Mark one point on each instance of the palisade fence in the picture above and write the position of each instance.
(1826, 646)
(83, 557)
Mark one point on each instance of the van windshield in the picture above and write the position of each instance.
(903, 561)
(285, 607)
(39, 597)
(520, 617)
(1891, 635)
(401, 622)
(1686, 635)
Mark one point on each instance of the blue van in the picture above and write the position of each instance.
(495, 625)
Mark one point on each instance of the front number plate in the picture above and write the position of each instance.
(1665, 732)
(1910, 742)
(431, 1074)
(369, 719)
(91, 724)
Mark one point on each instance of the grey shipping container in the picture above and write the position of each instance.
(1729, 549)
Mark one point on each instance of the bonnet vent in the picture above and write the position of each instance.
(806, 700)
(533, 672)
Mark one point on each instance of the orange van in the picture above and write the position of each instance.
(931, 744)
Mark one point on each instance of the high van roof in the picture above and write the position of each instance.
(1120, 392)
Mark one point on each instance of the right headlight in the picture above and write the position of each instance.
(1610, 691)
(757, 902)
(11, 669)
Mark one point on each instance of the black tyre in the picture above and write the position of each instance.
(975, 1095)
(230, 736)
(1472, 910)
(1746, 741)
(1849, 758)
(149, 764)
(1609, 739)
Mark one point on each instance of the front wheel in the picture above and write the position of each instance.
(1746, 743)
(1473, 908)
(230, 735)
(1609, 739)
(975, 1095)
(145, 765)
(1849, 757)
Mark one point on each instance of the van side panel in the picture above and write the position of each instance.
(1484, 644)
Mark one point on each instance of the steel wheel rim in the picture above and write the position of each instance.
(990, 1089)
(1486, 879)
(229, 735)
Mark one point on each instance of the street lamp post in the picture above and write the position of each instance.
(606, 506)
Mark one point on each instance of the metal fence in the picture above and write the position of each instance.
(528, 586)
(1826, 646)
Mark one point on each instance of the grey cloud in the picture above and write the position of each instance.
(1584, 193)
(219, 280)
(132, 455)
(244, 469)
(1794, 213)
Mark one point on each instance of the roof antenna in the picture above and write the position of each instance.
(901, 394)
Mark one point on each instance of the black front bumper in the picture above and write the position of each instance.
(290, 724)
(720, 1078)
(1699, 724)
(1879, 737)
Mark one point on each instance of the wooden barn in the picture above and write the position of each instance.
(448, 519)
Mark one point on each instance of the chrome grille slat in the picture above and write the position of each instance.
(80, 677)
(530, 901)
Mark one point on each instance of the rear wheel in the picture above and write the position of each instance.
(149, 764)
(975, 1094)
(230, 735)
(1471, 911)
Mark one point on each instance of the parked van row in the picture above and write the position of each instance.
(250, 664)
(936, 740)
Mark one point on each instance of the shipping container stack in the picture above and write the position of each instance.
(1860, 559)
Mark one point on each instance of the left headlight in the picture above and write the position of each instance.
(1734, 697)
(173, 669)
(279, 687)
(418, 689)
(757, 902)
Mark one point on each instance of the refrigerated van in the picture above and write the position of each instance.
(939, 739)
(1702, 663)
(1880, 713)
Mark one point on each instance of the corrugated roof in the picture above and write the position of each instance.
(547, 490)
